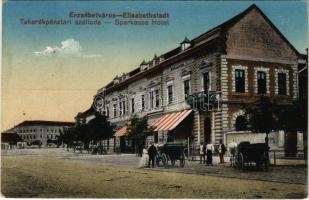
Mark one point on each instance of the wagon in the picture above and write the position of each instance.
(249, 154)
(170, 152)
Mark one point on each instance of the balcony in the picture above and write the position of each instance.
(205, 100)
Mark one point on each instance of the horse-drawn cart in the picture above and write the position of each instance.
(171, 152)
(248, 154)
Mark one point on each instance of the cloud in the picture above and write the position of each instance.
(69, 48)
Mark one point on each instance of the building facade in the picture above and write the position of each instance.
(43, 131)
(197, 91)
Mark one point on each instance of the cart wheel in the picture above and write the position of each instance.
(164, 159)
(182, 160)
(173, 162)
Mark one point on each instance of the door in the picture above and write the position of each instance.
(290, 144)
(122, 144)
(207, 129)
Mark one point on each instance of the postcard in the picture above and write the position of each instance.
(154, 99)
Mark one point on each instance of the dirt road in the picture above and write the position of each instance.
(47, 174)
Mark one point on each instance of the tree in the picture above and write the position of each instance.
(138, 130)
(67, 136)
(82, 134)
(263, 116)
(100, 128)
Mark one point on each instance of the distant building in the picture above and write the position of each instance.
(43, 131)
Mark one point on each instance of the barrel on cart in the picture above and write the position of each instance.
(170, 152)
(255, 154)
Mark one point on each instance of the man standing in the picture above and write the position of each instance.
(232, 147)
(152, 151)
(222, 150)
(209, 149)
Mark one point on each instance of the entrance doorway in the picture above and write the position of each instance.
(122, 144)
(207, 129)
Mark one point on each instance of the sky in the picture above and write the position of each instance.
(52, 72)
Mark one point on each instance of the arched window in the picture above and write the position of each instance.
(241, 123)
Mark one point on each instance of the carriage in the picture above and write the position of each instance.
(170, 152)
(249, 154)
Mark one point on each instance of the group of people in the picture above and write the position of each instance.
(208, 150)
(205, 152)
(148, 156)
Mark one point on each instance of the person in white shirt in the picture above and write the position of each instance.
(144, 160)
(202, 153)
(209, 150)
(232, 147)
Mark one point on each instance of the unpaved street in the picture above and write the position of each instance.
(57, 173)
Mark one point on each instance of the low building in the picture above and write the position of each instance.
(39, 130)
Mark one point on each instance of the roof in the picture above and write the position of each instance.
(45, 123)
(177, 52)
(86, 113)
(143, 63)
(186, 40)
(170, 121)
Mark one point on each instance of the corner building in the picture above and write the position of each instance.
(198, 90)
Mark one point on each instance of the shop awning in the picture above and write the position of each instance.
(170, 121)
(121, 132)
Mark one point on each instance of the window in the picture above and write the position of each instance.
(261, 81)
(240, 80)
(241, 123)
(281, 83)
(120, 108)
(132, 105)
(169, 94)
(206, 81)
(186, 88)
(143, 102)
(107, 111)
(115, 110)
(41, 136)
(157, 98)
(151, 99)
(34, 137)
(123, 107)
